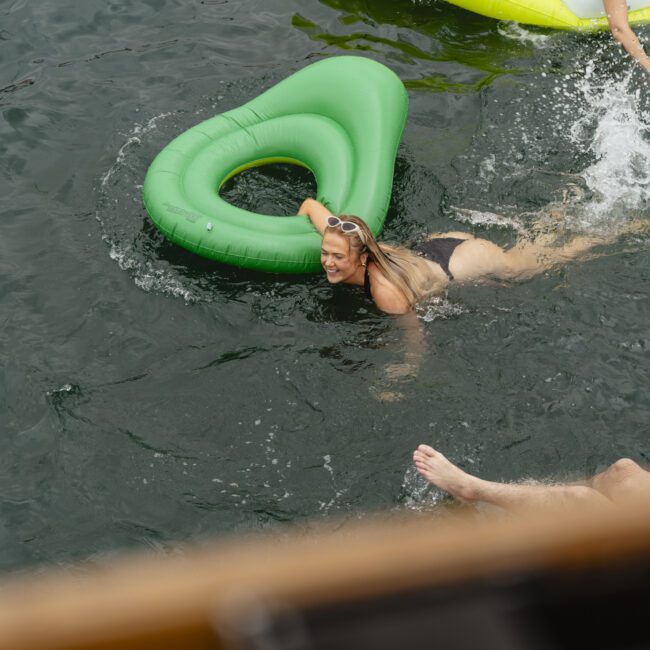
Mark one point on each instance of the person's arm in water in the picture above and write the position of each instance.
(616, 11)
(415, 346)
(411, 337)
(316, 212)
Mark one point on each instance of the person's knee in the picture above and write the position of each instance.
(623, 467)
(622, 474)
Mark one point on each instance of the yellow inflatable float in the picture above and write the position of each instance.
(560, 14)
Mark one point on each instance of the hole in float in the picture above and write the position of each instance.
(276, 188)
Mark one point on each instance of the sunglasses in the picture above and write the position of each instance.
(346, 226)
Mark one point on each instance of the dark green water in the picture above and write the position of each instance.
(148, 396)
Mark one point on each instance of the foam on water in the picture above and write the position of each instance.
(117, 187)
(439, 308)
(519, 33)
(417, 492)
(594, 121)
(133, 138)
(614, 123)
(146, 275)
(484, 218)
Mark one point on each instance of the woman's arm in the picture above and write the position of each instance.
(397, 374)
(617, 17)
(390, 299)
(316, 212)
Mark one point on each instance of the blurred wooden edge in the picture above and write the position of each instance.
(181, 601)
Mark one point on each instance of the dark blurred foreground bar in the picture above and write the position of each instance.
(575, 580)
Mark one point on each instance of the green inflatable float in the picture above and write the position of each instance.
(342, 118)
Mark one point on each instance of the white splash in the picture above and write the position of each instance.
(516, 32)
(614, 125)
(418, 493)
(133, 138)
(438, 308)
(480, 218)
(146, 276)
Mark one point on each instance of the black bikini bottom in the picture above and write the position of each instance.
(438, 250)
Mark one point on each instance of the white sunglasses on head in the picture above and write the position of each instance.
(346, 226)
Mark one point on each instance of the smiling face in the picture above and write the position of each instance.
(340, 262)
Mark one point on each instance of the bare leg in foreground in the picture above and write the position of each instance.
(621, 482)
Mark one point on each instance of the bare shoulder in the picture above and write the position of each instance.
(386, 295)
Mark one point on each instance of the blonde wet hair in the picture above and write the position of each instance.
(411, 274)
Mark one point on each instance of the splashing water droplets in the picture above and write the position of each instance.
(614, 125)
(438, 308)
(417, 493)
(517, 32)
(120, 189)
(575, 144)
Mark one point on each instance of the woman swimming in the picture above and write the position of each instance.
(397, 278)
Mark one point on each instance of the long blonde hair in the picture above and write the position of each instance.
(411, 274)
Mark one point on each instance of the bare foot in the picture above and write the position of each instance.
(444, 474)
